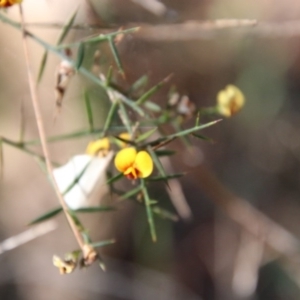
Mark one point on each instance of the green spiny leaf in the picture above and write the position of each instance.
(160, 142)
(110, 117)
(89, 110)
(194, 129)
(131, 193)
(164, 214)
(139, 84)
(148, 211)
(63, 34)
(178, 134)
(80, 56)
(145, 135)
(157, 162)
(125, 118)
(202, 137)
(133, 105)
(160, 178)
(102, 243)
(92, 209)
(101, 37)
(116, 56)
(109, 76)
(67, 27)
(152, 91)
(48, 215)
(178, 128)
(115, 178)
(163, 152)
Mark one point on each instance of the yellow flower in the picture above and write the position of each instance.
(134, 164)
(7, 3)
(230, 101)
(99, 147)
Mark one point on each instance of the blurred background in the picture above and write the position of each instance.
(238, 238)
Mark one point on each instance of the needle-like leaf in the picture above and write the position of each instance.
(89, 110)
(116, 56)
(80, 56)
(48, 215)
(153, 90)
(148, 210)
(63, 34)
(145, 135)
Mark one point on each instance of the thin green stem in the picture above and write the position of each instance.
(63, 137)
(21, 147)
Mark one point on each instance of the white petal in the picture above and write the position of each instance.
(81, 194)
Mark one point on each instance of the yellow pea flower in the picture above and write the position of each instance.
(99, 147)
(230, 101)
(134, 164)
(7, 3)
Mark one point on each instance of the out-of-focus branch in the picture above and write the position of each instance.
(276, 30)
(283, 244)
(189, 25)
(247, 216)
(248, 261)
(176, 194)
(191, 30)
(27, 236)
(41, 129)
(209, 30)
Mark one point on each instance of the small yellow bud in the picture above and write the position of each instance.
(99, 147)
(230, 101)
(124, 136)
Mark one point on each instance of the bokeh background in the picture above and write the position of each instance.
(226, 248)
